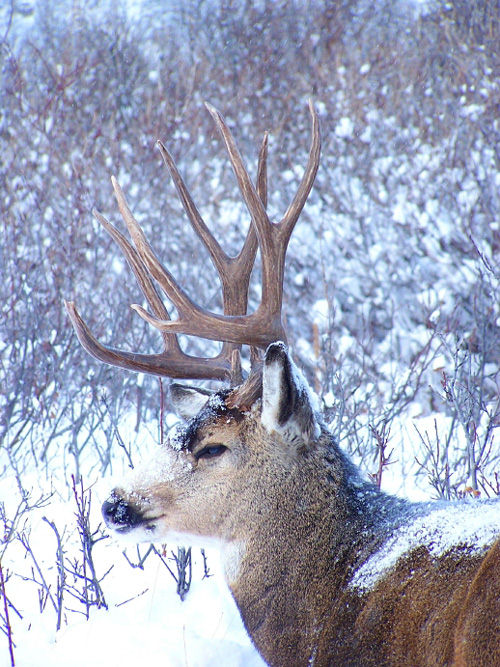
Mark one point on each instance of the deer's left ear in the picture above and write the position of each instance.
(188, 401)
(287, 404)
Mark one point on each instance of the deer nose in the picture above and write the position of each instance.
(119, 514)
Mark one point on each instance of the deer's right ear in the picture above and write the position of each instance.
(287, 404)
(188, 401)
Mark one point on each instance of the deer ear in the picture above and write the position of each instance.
(188, 401)
(287, 403)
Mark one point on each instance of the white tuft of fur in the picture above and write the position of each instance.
(163, 466)
(271, 392)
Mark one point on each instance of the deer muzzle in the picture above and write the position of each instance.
(121, 515)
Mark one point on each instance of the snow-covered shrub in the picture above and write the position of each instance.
(392, 285)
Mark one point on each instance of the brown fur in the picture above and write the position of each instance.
(414, 614)
(477, 632)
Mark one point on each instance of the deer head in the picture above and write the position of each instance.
(273, 399)
(202, 483)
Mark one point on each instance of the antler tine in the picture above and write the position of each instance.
(137, 266)
(172, 364)
(250, 195)
(218, 256)
(294, 210)
(164, 278)
(262, 171)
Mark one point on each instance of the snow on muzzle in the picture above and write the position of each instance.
(120, 515)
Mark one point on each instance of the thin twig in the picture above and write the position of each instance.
(8, 626)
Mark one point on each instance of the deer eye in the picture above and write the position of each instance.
(210, 452)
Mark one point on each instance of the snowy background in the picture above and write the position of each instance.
(392, 284)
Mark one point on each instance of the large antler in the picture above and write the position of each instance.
(234, 327)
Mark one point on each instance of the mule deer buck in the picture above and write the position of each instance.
(325, 568)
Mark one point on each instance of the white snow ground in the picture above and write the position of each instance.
(155, 628)
(145, 623)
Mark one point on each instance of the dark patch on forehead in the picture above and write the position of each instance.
(214, 410)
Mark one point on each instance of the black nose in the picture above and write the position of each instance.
(119, 514)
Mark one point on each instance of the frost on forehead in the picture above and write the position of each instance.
(182, 434)
(163, 466)
(177, 437)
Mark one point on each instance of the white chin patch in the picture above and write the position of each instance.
(156, 534)
(232, 554)
(137, 534)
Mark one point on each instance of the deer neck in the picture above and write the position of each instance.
(283, 583)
